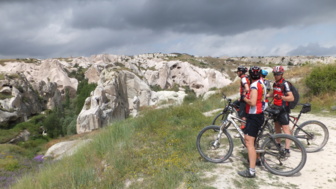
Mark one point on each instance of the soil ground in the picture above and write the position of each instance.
(318, 172)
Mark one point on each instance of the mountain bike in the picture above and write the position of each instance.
(215, 144)
(312, 134)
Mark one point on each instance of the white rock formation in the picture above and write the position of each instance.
(167, 74)
(63, 149)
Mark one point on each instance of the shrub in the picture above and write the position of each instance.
(53, 123)
(156, 88)
(321, 79)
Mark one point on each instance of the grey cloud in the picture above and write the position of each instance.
(95, 26)
(313, 49)
(199, 16)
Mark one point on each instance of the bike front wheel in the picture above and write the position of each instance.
(313, 135)
(214, 146)
(277, 161)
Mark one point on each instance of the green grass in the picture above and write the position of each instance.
(156, 150)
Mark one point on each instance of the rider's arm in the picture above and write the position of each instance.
(289, 97)
(245, 84)
(252, 101)
(246, 87)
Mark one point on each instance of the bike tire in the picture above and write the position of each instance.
(316, 138)
(205, 144)
(274, 158)
(219, 118)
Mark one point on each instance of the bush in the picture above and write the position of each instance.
(53, 124)
(321, 79)
(83, 91)
(191, 95)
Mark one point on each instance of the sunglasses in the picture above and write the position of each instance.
(277, 74)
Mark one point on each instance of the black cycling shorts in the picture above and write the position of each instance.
(242, 109)
(283, 117)
(253, 124)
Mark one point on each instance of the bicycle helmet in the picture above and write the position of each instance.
(255, 72)
(278, 70)
(242, 69)
(264, 73)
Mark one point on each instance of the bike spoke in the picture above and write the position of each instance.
(212, 147)
(278, 161)
(313, 135)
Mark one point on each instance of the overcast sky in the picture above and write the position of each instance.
(64, 28)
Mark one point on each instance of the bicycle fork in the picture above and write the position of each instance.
(216, 143)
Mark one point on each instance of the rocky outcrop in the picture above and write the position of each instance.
(283, 60)
(107, 103)
(21, 100)
(124, 84)
(176, 73)
(64, 149)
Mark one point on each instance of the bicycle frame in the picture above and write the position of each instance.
(231, 120)
(294, 120)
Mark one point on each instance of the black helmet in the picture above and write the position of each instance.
(242, 69)
(255, 72)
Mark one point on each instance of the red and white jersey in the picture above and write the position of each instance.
(279, 87)
(261, 91)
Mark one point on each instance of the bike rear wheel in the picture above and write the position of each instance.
(221, 116)
(313, 135)
(218, 119)
(275, 160)
(213, 146)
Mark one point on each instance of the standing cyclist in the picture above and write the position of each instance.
(254, 118)
(244, 89)
(282, 96)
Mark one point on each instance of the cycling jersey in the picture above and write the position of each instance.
(261, 91)
(244, 80)
(277, 90)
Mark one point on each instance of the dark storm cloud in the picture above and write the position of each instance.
(45, 28)
(199, 16)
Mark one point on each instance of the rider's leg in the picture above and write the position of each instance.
(286, 130)
(252, 155)
(277, 127)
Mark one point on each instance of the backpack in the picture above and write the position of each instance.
(295, 94)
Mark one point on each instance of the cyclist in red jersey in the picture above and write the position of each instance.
(244, 88)
(255, 100)
(282, 95)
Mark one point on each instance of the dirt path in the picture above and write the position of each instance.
(319, 171)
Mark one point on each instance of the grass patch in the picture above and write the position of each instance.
(156, 150)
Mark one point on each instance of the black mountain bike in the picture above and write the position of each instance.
(312, 134)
